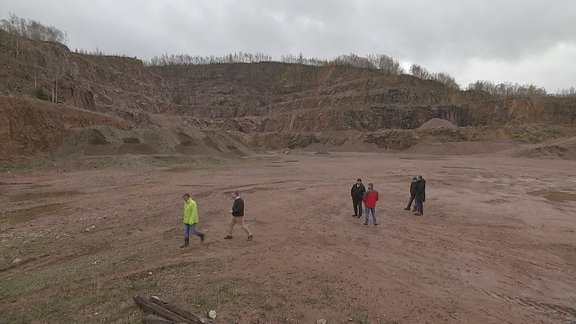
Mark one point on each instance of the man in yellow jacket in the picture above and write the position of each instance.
(190, 220)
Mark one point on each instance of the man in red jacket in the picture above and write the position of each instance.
(370, 199)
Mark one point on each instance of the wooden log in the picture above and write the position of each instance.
(150, 307)
(193, 318)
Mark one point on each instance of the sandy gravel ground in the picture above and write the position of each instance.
(496, 243)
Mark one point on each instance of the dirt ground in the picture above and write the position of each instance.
(496, 243)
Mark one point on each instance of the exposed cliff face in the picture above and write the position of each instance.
(267, 105)
(488, 111)
(280, 93)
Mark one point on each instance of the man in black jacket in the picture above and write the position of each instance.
(237, 212)
(357, 192)
(420, 196)
(413, 191)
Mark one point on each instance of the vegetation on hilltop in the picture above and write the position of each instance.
(35, 30)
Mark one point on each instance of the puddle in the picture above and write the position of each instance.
(25, 215)
(554, 195)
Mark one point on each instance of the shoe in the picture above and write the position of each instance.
(365, 223)
(406, 208)
(417, 214)
(228, 237)
(202, 238)
(250, 238)
(185, 244)
(421, 214)
(375, 224)
(354, 215)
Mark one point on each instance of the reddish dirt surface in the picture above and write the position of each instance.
(496, 243)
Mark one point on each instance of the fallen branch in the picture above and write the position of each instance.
(166, 310)
(176, 309)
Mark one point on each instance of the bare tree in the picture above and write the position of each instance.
(507, 89)
(386, 64)
(566, 92)
(420, 72)
(353, 60)
(33, 29)
(447, 80)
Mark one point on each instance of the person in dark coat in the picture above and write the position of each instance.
(420, 197)
(357, 192)
(413, 190)
(237, 212)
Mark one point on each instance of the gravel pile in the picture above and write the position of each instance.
(437, 123)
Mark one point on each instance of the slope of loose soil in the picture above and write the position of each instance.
(562, 148)
(496, 242)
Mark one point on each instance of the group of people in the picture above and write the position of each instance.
(369, 197)
(417, 195)
(360, 196)
(191, 219)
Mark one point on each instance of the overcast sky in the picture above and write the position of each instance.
(516, 41)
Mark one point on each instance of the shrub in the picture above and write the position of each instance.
(40, 93)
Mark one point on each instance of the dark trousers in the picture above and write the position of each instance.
(410, 201)
(357, 203)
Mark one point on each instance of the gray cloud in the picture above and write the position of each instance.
(526, 42)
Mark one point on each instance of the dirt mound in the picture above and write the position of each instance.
(100, 141)
(34, 128)
(460, 148)
(564, 148)
(437, 123)
(30, 127)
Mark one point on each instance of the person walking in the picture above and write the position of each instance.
(237, 212)
(190, 220)
(413, 190)
(370, 198)
(420, 197)
(357, 192)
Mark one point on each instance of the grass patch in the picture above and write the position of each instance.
(110, 302)
(21, 285)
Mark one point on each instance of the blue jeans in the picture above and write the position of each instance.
(419, 206)
(191, 228)
(368, 210)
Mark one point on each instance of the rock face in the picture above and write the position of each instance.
(266, 105)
